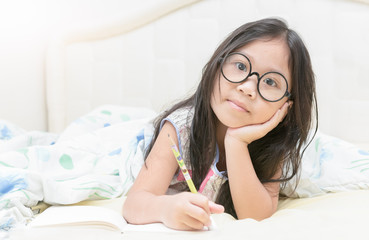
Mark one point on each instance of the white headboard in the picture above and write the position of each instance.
(154, 54)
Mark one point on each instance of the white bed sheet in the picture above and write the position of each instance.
(332, 216)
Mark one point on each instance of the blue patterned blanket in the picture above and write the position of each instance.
(87, 161)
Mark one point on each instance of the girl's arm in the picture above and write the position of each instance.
(146, 201)
(251, 198)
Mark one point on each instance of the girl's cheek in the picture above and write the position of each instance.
(268, 115)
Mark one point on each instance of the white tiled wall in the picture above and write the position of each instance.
(162, 61)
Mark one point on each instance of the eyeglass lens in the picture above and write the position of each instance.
(236, 68)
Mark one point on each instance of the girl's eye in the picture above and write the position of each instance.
(241, 66)
(270, 82)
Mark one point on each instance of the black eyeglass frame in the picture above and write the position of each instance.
(286, 94)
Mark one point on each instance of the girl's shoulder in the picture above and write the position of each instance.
(180, 118)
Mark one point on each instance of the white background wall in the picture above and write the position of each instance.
(25, 28)
(335, 31)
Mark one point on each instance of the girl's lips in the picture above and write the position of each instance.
(238, 106)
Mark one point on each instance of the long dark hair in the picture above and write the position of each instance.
(285, 143)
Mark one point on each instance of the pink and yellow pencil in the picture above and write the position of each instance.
(182, 166)
(186, 174)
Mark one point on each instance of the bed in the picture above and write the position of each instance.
(94, 93)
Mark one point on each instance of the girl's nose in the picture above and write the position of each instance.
(249, 87)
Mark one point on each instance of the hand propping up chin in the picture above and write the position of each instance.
(250, 133)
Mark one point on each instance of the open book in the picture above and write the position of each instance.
(91, 216)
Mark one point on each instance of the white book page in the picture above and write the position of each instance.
(92, 216)
(79, 215)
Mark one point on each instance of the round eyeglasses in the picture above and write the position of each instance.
(272, 86)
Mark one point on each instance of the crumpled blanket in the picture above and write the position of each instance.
(330, 164)
(98, 156)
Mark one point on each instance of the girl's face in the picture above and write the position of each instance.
(240, 104)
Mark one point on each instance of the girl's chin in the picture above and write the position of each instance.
(233, 124)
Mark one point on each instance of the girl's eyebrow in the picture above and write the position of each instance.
(247, 55)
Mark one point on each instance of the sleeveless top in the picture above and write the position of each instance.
(181, 119)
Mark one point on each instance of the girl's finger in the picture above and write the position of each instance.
(193, 223)
(199, 214)
(284, 111)
(215, 208)
(200, 201)
(279, 115)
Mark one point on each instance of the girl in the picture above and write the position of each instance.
(241, 134)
